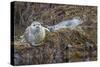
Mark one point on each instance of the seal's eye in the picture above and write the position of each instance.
(33, 25)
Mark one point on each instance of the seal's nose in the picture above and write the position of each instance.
(37, 26)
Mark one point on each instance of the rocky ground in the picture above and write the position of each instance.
(64, 45)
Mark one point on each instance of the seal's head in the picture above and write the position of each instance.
(77, 20)
(35, 25)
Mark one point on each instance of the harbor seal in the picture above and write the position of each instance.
(71, 24)
(34, 34)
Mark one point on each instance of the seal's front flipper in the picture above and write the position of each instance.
(47, 29)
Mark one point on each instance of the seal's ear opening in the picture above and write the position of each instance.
(42, 24)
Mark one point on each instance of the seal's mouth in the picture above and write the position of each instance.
(37, 27)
